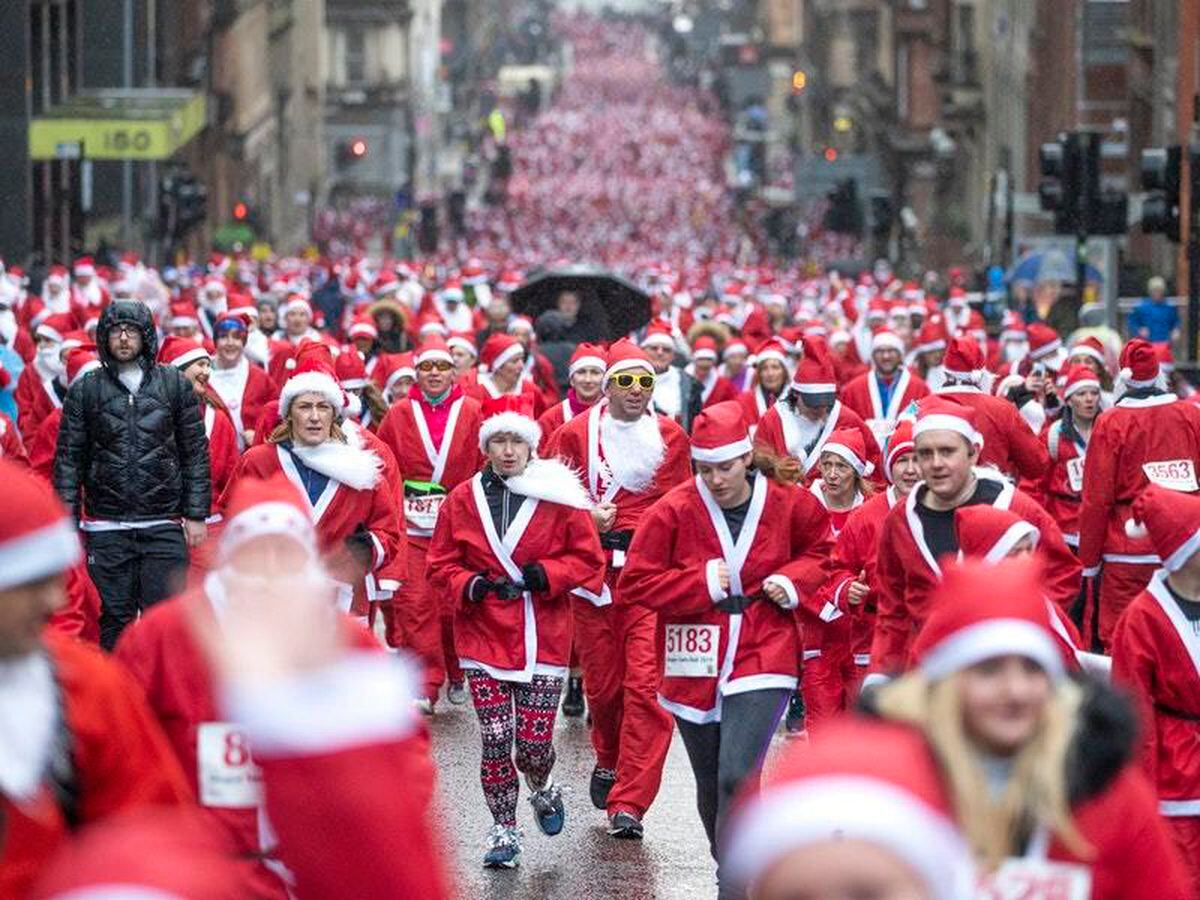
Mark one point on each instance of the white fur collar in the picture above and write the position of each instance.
(354, 466)
(551, 480)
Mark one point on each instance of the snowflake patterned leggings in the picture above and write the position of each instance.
(507, 709)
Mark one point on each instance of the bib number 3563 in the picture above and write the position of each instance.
(692, 651)
(228, 775)
(1034, 879)
(1172, 474)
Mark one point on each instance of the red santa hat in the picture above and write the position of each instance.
(57, 276)
(886, 339)
(520, 323)
(499, 349)
(54, 327)
(85, 267)
(771, 349)
(856, 780)
(363, 326)
(982, 610)
(990, 532)
(736, 345)
(37, 538)
(73, 339)
(314, 374)
(431, 323)
(963, 358)
(1078, 378)
(350, 370)
(877, 310)
(296, 302)
(931, 337)
(1014, 328)
(452, 291)
(1166, 357)
(510, 414)
(403, 365)
(473, 272)
(463, 341)
(848, 444)
(705, 347)
(1044, 341)
(258, 508)
(935, 413)
(587, 356)
(899, 442)
(183, 315)
(180, 352)
(720, 433)
(509, 281)
(957, 297)
(80, 361)
(658, 333)
(625, 355)
(814, 374)
(1171, 519)
(433, 349)
(1089, 346)
(1139, 364)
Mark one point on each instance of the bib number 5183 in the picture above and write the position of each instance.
(691, 651)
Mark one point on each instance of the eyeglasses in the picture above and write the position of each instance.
(126, 330)
(430, 365)
(625, 381)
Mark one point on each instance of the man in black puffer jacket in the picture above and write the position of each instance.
(133, 453)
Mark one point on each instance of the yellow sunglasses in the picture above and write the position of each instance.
(625, 381)
(429, 365)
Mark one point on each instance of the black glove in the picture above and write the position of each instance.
(478, 588)
(504, 589)
(534, 576)
(361, 547)
(735, 603)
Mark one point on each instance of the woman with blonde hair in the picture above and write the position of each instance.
(1039, 767)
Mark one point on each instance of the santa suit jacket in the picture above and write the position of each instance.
(35, 399)
(484, 389)
(715, 389)
(550, 421)
(907, 573)
(672, 568)
(118, 760)
(11, 446)
(1060, 489)
(1008, 442)
(222, 451)
(338, 513)
(513, 640)
(1133, 434)
(1156, 653)
(777, 432)
(862, 395)
(246, 394)
(449, 464)
(755, 403)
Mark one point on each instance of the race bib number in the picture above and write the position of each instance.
(692, 651)
(228, 776)
(1075, 474)
(1172, 474)
(618, 558)
(422, 512)
(1036, 879)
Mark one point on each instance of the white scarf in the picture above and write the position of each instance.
(355, 467)
(667, 398)
(550, 480)
(633, 451)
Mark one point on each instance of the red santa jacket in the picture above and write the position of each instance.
(11, 446)
(778, 431)
(1138, 440)
(1060, 489)
(340, 510)
(539, 372)
(35, 398)
(245, 394)
(755, 403)
(222, 450)
(451, 462)
(714, 389)
(862, 395)
(907, 573)
(672, 568)
(1156, 654)
(513, 640)
(118, 761)
(1008, 443)
(552, 420)
(483, 389)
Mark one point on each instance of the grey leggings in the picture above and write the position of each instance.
(726, 756)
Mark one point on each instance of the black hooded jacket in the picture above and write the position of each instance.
(133, 456)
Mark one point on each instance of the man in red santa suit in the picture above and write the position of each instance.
(1156, 654)
(77, 743)
(434, 435)
(882, 393)
(1149, 437)
(243, 387)
(1008, 443)
(501, 372)
(510, 545)
(714, 388)
(585, 372)
(89, 294)
(342, 478)
(39, 390)
(919, 533)
(1066, 439)
(631, 457)
(297, 315)
(55, 298)
(809, 412)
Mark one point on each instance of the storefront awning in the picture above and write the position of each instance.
(120, 124)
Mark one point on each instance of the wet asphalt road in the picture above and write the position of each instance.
(582, 862)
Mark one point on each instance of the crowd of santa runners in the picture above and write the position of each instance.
(920, 597)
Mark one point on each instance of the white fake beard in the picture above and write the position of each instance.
(8, 326)
(632, 450)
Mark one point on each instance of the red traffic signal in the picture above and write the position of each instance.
(240, 211)
(358, 148)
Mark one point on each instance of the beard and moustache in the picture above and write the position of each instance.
(633, 451)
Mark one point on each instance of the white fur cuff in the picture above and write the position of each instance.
(788, 588)
(715, 592)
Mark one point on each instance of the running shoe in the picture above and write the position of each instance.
(625, 825)
(548, 808)
(456, 693)
(602, 782)
(572, 704)
(504, 848)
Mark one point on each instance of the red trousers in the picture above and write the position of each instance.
(631, 732)
(1185, 830)
(414, 619)
(1120, 583)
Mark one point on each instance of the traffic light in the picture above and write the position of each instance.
(1161, 182)
(844, 215)
(353, 150)
(882, 215)
(1062, 181)
(182, 204)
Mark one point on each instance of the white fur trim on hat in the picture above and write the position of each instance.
(1016, 532)
(45, 331)
(186, 359)
(402, 372)
(1046, 349)
(297, 303)
(90, 366)
(724, 452)
(510, 423)
(39, 554)
(1186, 551)
(943, 422)
(353, 384)
(505, 355)
(462, 343)
(1080, 385)
(810, 388)
(311, 383)
(263, 519)
(586, 362)
(433, 354)
(705, 354)
(887, 340)
(864, 468)
(990, 638)
(1086, 350)
(625, 365)
(658, 338)
(776, 354)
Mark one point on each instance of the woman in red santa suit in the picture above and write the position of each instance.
(714, 388)
(39, 386)
(510, 546)
(585, 373)
(725, 585)
(243, 387)
(1039, 767)
(342, 479)
(501, 373)
(1066, 440)
(768, 385)
(1156, 654)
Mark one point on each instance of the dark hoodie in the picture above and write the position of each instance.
(137, 456)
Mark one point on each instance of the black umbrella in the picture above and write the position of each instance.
(610, 306)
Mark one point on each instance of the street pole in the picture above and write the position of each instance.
(1186, 118)
(127, 165)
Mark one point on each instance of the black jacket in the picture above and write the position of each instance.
(134, 456)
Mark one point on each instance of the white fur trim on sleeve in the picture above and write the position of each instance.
(715, 591)
(1091, 572)
(379, 554)
(788, 588)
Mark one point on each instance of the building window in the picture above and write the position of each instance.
(356, 55)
